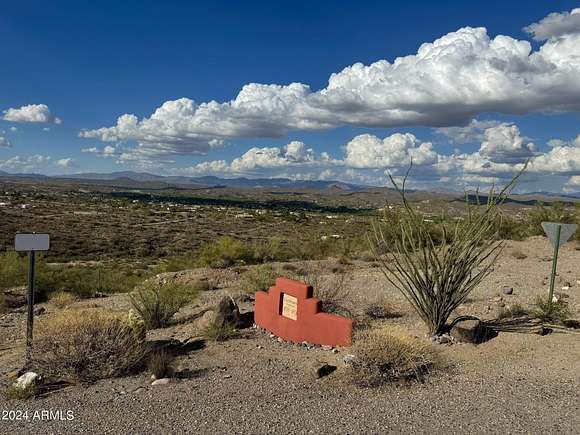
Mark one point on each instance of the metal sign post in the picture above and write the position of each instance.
(558, 234)
(31, 243)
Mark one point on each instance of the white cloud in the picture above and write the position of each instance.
(4, 143)
(504, 144)
(37, 113)
(573, 184)
(13, 129)
(556, 25)
(266, 160)
(446, 83)
(370, 152)
(25, 163)
(66, 163)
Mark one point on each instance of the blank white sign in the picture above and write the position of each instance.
(32, 242)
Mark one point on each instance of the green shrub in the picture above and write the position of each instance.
(157, 303)
(15, 393)
(550, 311)
(556, 212)
(178, 263)
(86, 345)
(225, 252)
(259, 278)
(13, 267)
(81, 280)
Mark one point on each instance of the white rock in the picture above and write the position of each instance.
(26, 380)
(162, 381)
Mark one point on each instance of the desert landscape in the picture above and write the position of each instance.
(290, 217)
(242, 378)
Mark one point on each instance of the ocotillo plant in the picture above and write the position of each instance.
(436, 276)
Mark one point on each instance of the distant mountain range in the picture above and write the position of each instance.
(207, 181)
(123, 177)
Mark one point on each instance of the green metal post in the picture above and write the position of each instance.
(554, 265)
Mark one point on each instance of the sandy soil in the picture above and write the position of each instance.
(515, 383)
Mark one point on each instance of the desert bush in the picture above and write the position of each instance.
(62, 299)
(549, 311)
(225, 252)
(259, 278)
(387, 354)
(86, 281)
(157, 303)
(510, 228)
(437, 278)
(555, 212)
(218, 331)
(330, 288)
(159, 363)
(272, 249)
(86, 345)
(178, 263)
(13, 267)
(15, 393)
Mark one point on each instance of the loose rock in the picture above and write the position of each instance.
(27, 380)
(323, 370)
(508, 290)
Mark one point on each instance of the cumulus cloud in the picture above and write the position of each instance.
(4, 143)
(367, 151)
(504, 144)
(556, 25)
(266, 160)
(37, 113)
(446, 83)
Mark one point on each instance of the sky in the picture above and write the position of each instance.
(338, 90)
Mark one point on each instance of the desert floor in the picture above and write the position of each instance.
(514, 383)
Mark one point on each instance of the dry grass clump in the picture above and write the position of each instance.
(159, 363)
(62, 299)
(157, 303)
(330, 288)
(86, 345)
(551, 312)
(219, 331)
(388, 354)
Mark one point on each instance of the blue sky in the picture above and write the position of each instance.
(88, 64)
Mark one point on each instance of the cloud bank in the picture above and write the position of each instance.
(446, 83)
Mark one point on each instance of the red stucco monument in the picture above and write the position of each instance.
(289, 311)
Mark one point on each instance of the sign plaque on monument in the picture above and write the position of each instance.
(289, 306)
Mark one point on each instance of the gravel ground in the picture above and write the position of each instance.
(515, 383)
